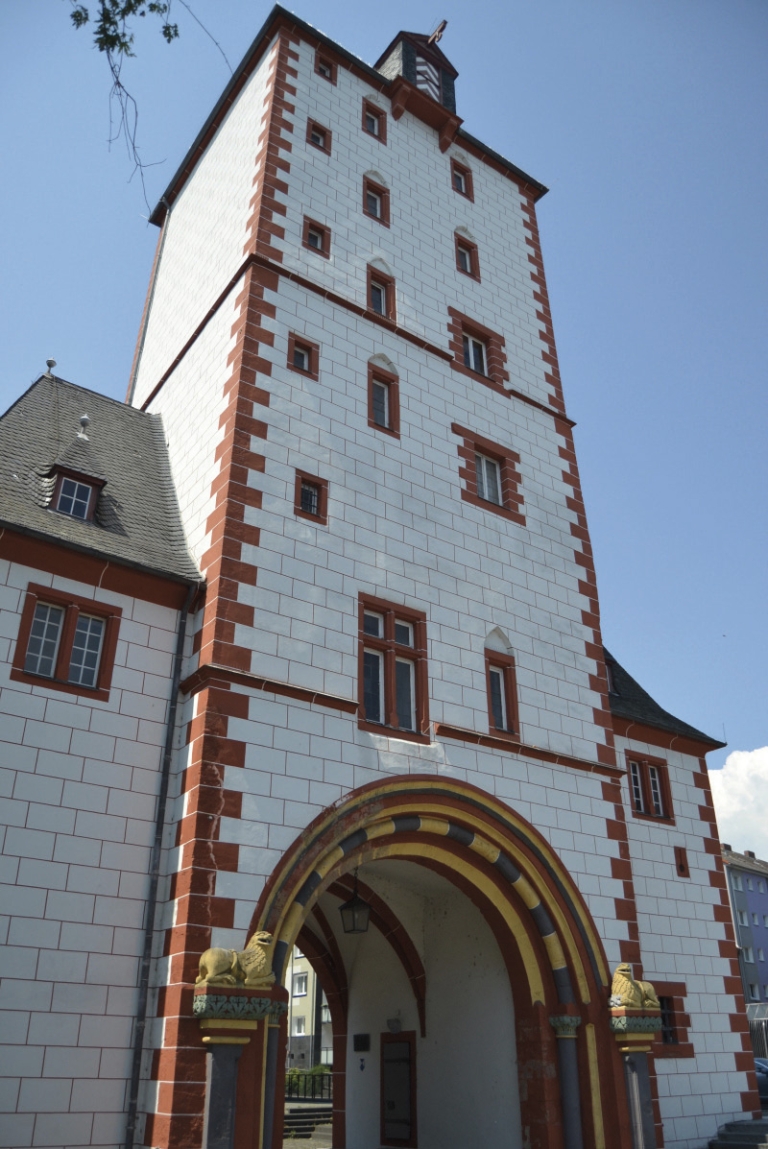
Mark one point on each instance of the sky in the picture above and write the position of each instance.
(647, 121)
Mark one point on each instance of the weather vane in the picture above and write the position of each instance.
(438, 32)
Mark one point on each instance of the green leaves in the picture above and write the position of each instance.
(112, 33)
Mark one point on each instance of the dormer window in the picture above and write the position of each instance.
(74, 498)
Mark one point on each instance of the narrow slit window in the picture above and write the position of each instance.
(488, 479)
(44, 638)
(74, 499)
(656, 798)
(475, 354)
(373, 203)
(498, 703)
(637, 787)
(380, 403)
(405, 692)
(378, 297)
(465, 259)
(86, 650)
(372, 123)
(460, 180)
(373, 687)
(310, 498)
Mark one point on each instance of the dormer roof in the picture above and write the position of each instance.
(136, 520)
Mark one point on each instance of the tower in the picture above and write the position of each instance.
(394, 685)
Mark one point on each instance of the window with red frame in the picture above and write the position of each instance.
(478, 351)
(490, 474)
(461, 180)
(66, 642)
(374, 121)
(325, 67)
(467, 259)
(381, 294)
(319, 136)
(649, 787)
(376, 201)
(393, 669)
(311, 498)
(303, 356)
(383, 400)
(502, 692)
(316, 237)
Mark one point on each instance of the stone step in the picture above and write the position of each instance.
(741, 1135)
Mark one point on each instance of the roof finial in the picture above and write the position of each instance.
(50, 364)
(438, 32)
(84, 421)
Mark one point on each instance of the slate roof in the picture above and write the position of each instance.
(627, 699)
(137, 520)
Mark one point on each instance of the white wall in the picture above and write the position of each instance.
(79, 781)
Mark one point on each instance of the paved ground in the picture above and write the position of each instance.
(320, 1140)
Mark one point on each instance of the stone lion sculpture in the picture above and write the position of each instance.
(249, 967)
(631, 994)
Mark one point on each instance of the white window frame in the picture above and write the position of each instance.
(299, 1028)
(412, 685)
(471, 345)
(377, 199)
(482, 463)
(322, 137)
(302, 357)
(500, 671)
(298, 980)
(749, 954)
(76, 497)
(381, 288)
(387, 404)
(319, 236)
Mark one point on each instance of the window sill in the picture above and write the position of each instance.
(665, 821)
(318, 520)
(488, 380)
(496, 509)
(393, 732)
(386, 430)
(96, 693)
(376, 218)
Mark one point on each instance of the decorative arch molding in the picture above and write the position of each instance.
(557, 967)
(465, 233)
(383, 362)
(497, 640)
(376, 177)
(475, 828)
(379, 264)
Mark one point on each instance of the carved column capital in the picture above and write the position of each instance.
(565, 1025)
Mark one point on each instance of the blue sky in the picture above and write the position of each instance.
(646, 119)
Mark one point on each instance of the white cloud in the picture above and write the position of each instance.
(740, 793)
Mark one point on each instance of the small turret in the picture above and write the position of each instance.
(419, 60)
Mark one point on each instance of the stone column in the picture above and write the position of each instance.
(565, 1027)
(222, 1056)
(634, 1030)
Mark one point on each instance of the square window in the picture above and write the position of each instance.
(64, 645)
(310, 499)
(475, 354)
(325, 67)
(303, 356)
(376, 201)
(319, 136)
(649, 788)
(374, 121)
(393, 686)
(488, 474)
(74, 498)
(316, 237)
(383, 401)
(461, 180)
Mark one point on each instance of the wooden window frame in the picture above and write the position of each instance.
(409, 1036)
(680, 1045)
(469, 183)
(314, 225)
(380, 190)
(326, 150)
(387, 646)
(321, 518)
(644, 761)
(369, 108)
(506, 663)
(460, 325)
(374, 276)
(73, 606)
(474, 258)
(324, 58)
(378, 374)
(512, 501)
(299, 341)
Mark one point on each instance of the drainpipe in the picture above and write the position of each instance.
(154, 875)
